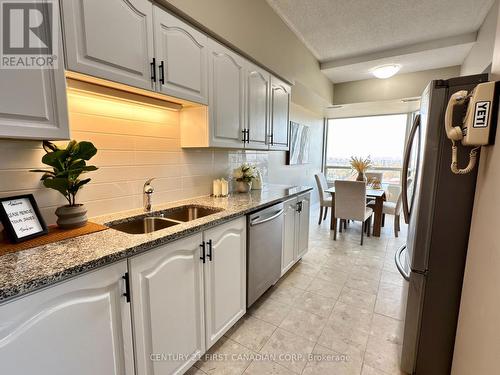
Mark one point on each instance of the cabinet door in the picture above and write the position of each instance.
(79, 327)
(167, 302)
(225, 278)
(181, 53)
(258, 85)
(33, 102)
(226, 79)
(289, 243)
(110, 39)
(303, 232)
(280, 102)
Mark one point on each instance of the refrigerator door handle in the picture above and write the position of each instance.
(406, 162)
(397, 260)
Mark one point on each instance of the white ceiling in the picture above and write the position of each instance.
(340, 30)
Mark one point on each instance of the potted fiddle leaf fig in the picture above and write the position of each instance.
(68, 164)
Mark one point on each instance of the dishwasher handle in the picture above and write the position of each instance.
(272, 217)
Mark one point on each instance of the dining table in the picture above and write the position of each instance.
(376, 194)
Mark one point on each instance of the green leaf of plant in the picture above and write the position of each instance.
(49, 146)
(55, 159)
(80, 183)
(86, 150)
(59, 184)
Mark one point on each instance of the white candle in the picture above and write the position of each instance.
(217, 188)
(224, 187)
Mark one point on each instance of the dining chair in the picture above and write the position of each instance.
(325, 199)
(350, 204)
(394, 208)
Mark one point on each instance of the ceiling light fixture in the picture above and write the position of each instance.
(386, 71)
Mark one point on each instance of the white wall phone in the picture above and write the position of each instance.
(476, 125)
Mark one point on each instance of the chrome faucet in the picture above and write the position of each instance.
(147, 196)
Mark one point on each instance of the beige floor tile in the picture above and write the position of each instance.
(382, 355)
(304, 324)
(270, 310)
(251, 332)
(368, 370)
(386, 328)
(288, 349)
(357, 298)
(306, 269)
(194, 371)
(267, 368)
(392, 278)
(333, 275)
(225, 358)
(348, 328)
(365, 285)
(296, 280)
(315, 303)
(390, 307)
(284, 293)
(325, 288)
(388, 290)
(327, 362)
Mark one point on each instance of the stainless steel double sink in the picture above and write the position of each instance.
(163, 219)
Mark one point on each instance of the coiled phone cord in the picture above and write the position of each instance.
(454, 160)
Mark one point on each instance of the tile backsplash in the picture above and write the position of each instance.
(136, 140)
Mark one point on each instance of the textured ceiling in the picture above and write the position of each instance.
(335, 29)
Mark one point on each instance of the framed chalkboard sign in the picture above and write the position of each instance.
(21, 218)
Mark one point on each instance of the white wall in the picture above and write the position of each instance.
(400, 86)
(477, 347)
(253, 27)
(481, 54)
(280, 173)
(135, 141)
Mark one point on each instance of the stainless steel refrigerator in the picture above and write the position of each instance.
(438, 207)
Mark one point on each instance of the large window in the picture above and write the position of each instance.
(381, 138)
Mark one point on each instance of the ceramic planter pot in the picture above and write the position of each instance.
(70, 217)
(361, 177)
(243, 186)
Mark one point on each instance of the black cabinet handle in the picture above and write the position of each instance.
(153, 70)
(248, 135)
(209, 254)
(202, 251)
(127, 287)
(272, 138)
(244, 136)
(162, 73)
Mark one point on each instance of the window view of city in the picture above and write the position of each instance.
(381, 138)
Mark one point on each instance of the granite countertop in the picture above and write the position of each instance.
(28, 270)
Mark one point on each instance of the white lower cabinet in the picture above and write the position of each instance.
(225, 278)
(168, 307)
(186, 295)
(79, 327)
(288, 255)
(295, 230)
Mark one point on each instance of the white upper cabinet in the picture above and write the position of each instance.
(110, 39)
(33, 102)
(168, 306)
(181, 55)
(225, 278)
(79, 327)
(280, 104)
(258, 85)
(226, 79)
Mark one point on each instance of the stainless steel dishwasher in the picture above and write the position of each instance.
(265, 241)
